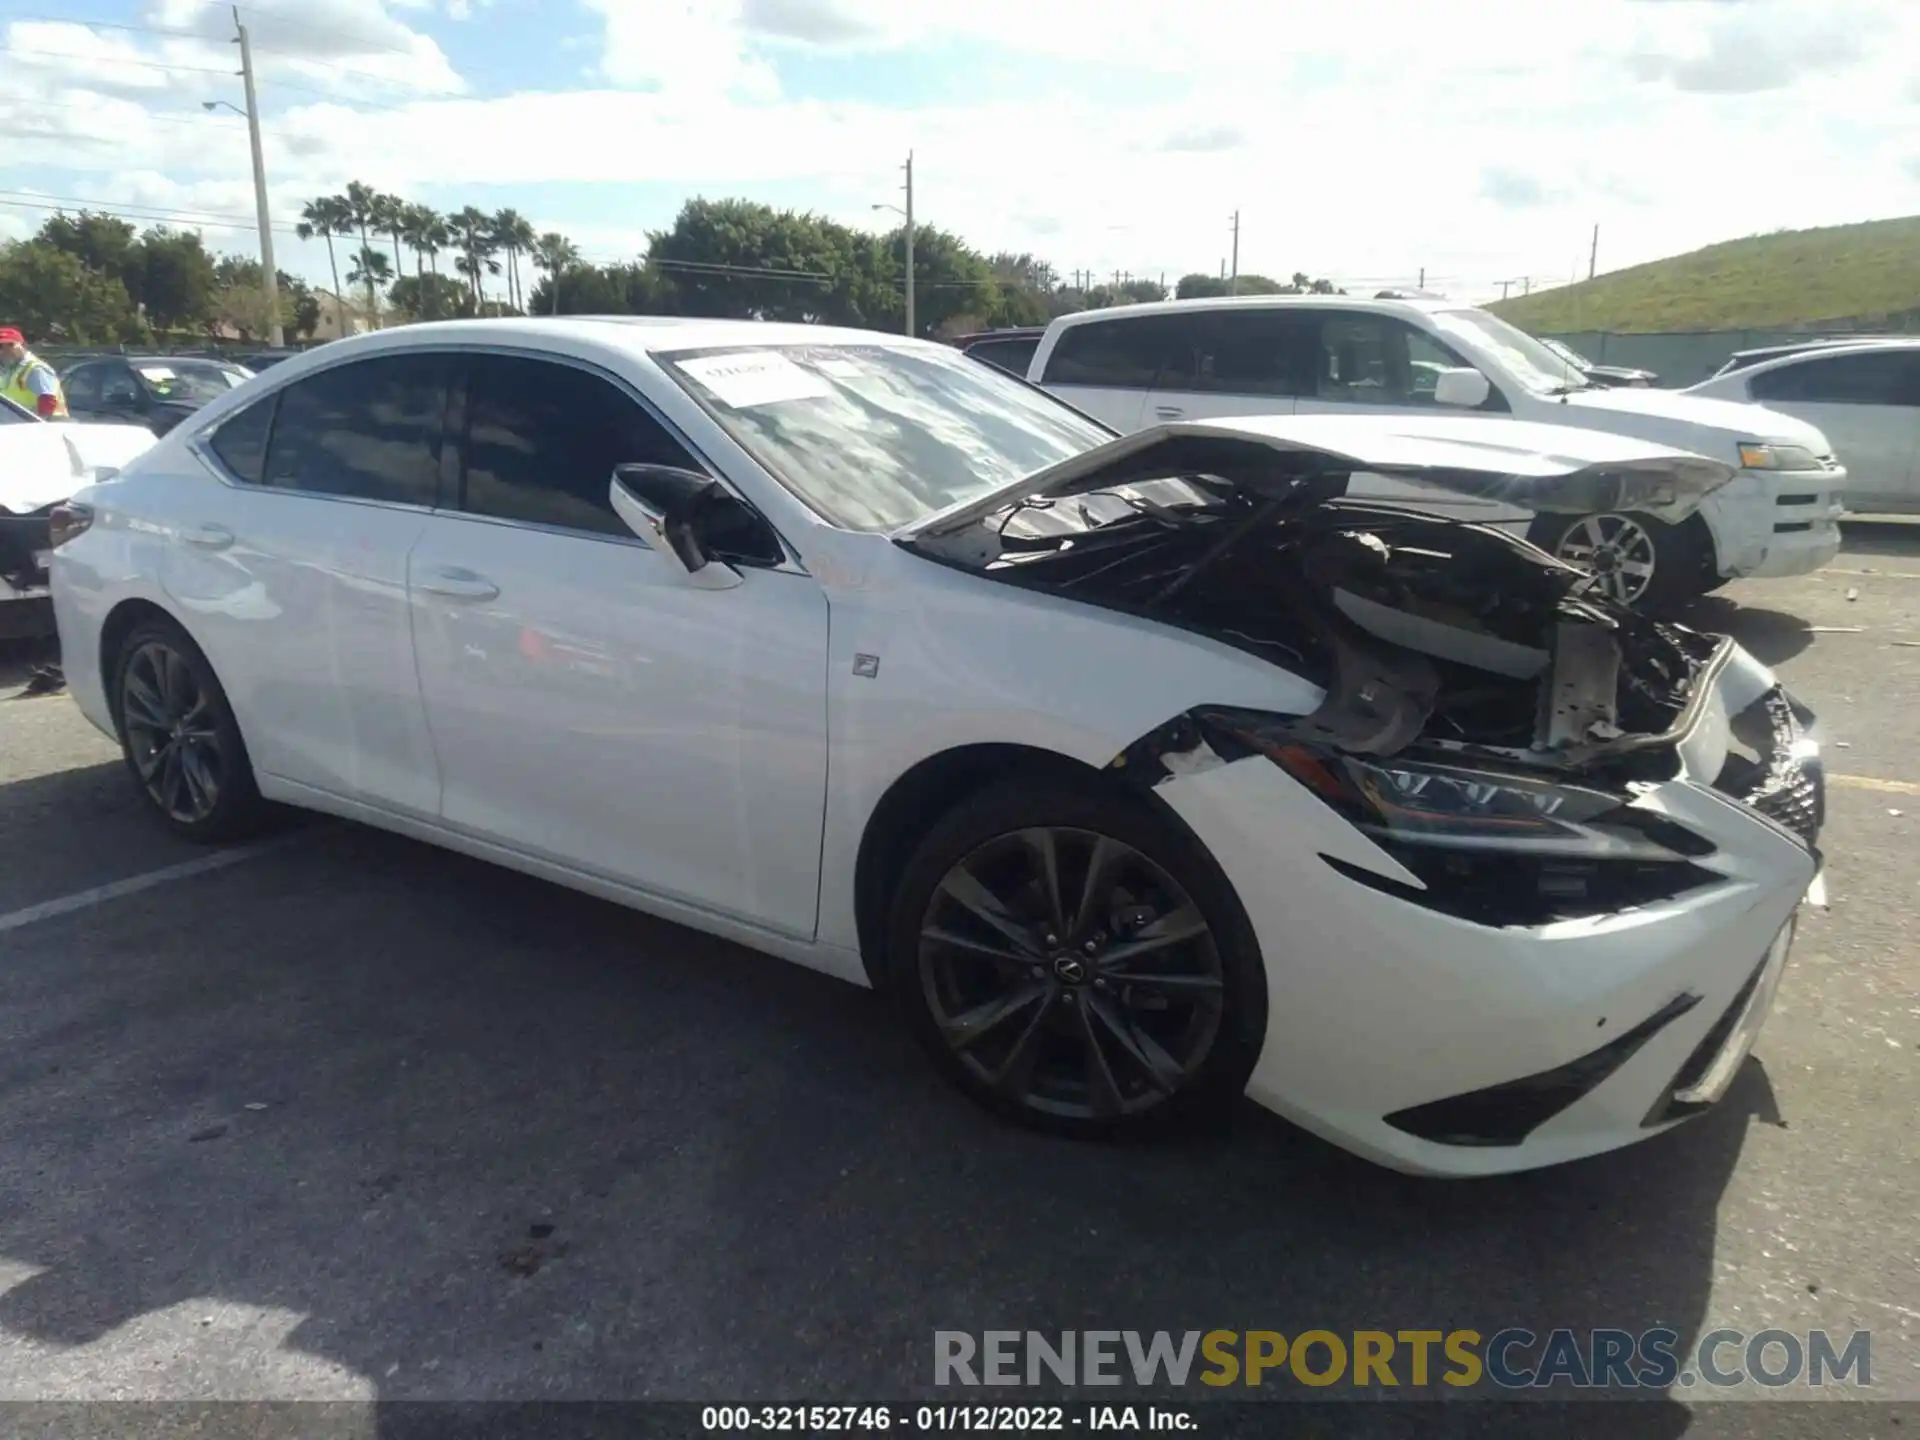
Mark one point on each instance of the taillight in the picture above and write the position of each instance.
(67, 520)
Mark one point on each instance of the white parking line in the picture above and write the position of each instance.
(134, 884)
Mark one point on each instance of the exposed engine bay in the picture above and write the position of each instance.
(1425, 631)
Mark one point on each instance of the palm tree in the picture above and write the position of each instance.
(372, 269)
(426, 233)
(389, 217)
(324, 216)
(361, 201)
(513, 233)
(554, 255)
(473, 234)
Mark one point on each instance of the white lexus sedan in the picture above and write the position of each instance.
(1141, 772)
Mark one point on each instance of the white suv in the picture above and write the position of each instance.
(1139, 365)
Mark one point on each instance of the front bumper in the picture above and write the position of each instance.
(1381, 1008)
(1769, 523)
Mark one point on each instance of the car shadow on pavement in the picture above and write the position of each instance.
(1771, 636)
(482, 1138)
(1885, 537)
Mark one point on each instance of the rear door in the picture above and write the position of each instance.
(81, 386)
(1243, 361)
(1370, 362)
(1109, 366)
(1867, 404)
(292, 574)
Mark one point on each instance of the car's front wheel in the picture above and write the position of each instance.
(1075, 961)
(179, 736)
(1641, 561)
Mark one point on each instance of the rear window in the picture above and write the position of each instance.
(1123, 354)
(1012, 356)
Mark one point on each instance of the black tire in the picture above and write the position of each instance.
(179, 738)
(1171, 1046)
(1680, 556)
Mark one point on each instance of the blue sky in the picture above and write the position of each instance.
(1366, 141)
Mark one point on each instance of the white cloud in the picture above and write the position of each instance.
(1362, 141)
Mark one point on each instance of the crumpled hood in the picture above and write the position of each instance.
(1551, 468)
(1675, 417)
(49, 460)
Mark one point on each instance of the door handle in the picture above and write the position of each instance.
(458, 584)
(1168, 412)
(208, 537)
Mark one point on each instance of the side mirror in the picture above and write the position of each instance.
(671, 509)
(1463, 387)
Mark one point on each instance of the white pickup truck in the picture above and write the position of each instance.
(42, 462)
(1140, 365)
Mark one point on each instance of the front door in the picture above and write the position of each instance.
(588, 705)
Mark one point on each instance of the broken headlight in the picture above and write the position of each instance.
(1430, 804)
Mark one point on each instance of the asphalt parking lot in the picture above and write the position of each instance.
(351, 1118)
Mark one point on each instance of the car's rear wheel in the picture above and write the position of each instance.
(1640, 561)
(1076, 962)
(179, 736)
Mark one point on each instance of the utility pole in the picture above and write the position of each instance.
(269, 275)
(1233, 280)
(1593, 255)
(910, 329)
(1526, 285)
(1423, 277)
(1503, 288)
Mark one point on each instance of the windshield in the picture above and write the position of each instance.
(877, 436)
(1525, 358)
(1567, 353)
(195, 382)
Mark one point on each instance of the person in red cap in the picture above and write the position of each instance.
(27, 380)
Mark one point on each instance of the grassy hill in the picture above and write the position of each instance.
(1786, 279)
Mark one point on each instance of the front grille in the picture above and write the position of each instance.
(1774, 776)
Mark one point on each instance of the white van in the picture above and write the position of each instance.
(1139, 365)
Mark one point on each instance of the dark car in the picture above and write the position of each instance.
(1609, 376)
(1010, 349)
(258, 360)
(157, 391)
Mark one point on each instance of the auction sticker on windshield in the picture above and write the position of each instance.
(749, 378)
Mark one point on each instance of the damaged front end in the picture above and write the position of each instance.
(1488, 719)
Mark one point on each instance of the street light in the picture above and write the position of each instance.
(907, 214)
(271, 277)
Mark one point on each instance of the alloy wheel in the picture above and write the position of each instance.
(172, 732)
(1619, 551)
(1071, 973)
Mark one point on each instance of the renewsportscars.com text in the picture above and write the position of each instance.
(1508, 1359)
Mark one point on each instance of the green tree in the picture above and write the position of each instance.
(426, 232)
(177, 279)
(50, 294)
(372, 269)
(389, 217)
(951, 278)
(631, 288)
(430, 297)
(105, 244)
(326, 216)
(747, 260)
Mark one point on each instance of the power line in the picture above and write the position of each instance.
(279, 17)
(152, 214)
(118, 60)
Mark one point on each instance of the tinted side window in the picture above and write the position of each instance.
(543, 438)
(82, 386)
(1013, 356)
(1369, 359)
(1150, 352)
(1877, 379)
(1255, 352)
(370, 429)
(117, 385)
(241, 440)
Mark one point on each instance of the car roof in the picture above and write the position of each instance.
(636, 334)
(1260, 302)
(1781, 356)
